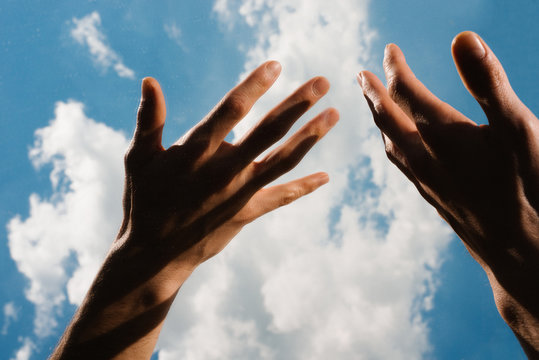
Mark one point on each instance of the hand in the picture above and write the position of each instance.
(184, 204)
(192, 198)
(483, 180)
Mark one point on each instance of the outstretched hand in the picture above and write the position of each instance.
(193, 197)
(182, 205)
(482, 179)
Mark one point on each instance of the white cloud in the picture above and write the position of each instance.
(175, 34)
(25, 352)
(87, 32)
(74, 227)
(10, 314)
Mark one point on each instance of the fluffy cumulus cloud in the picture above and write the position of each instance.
(87, 32)
(345, 273)
(61, 244)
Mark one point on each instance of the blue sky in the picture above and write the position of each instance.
(198, 51)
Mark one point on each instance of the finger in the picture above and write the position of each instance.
(277, 123)
(389, 117)
(403, 164)
(395, 155)
(150, 118)
(240, 188)
(485, 79)
(212, 130)
(126, 205)
(271, 198)
(286, 156)
(429, 112)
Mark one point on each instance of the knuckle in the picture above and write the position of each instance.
(257, 168)
(497, 82)
(274, 128)
(197, 147)
(289, 162)
(397, 87)
(382, 115)
(289, 196)
(380, 107)
(145, 106)
(391, 157)
(508, 311)
(394, 155)
(244, 217)
(419, 163)
(389, 149)
(262, 81)
(235, 105)
(271, 162)
(130, 157)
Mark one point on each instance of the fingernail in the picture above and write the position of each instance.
(273, 67)
(321, 179)
(386, 50)
(331, 117)
(472, 45)
(145, 89)
(360, 79)
(320, 87)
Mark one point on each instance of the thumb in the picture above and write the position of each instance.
(485, 79)
(150, 118)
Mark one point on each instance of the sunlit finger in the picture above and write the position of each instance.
(387, 115)
(271, 198)
(484, 77)
(212, 130)
(277, 123)
(281, 160)
(150, 118)
(413, 97)
(286, 156)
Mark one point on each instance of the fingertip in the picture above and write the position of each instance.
(462, 35)
(484, 77)
(391, 50)
(332, 116)
(149, 87)
(394, 60)
(320, 178)
(359, 78)
(467, 46)
(320, 86)
(152, 109)
(148, 81)
(366, 79)
(391, 47)
(273, 67)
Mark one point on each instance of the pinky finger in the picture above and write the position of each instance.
(271, 198)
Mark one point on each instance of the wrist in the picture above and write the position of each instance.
(129, 299)
(149, 271)
(516, 301)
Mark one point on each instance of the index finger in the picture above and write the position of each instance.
(412, 96)
(213, 129)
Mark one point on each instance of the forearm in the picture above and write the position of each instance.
(124, 310)
(510, 262)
